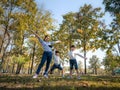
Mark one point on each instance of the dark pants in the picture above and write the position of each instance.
(56, 66)
(47, 57)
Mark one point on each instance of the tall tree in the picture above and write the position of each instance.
(113, 35)
(111, 62)
(94, 64)
(83, 26)
(10, 14)
(113, 6)
(42, 24)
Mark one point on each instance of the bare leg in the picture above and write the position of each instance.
(62, 73)
(77, 72)
(78, 76)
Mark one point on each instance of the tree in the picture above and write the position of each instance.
(20, 61)
(113, 6)
(41, 24)
(17, 18)
(12, 15)
(94, 64)
(85, 26)
(111, 62)
(113, 34)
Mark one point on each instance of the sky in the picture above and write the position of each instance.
(58, 8)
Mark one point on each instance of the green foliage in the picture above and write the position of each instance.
(84, 26)
(111, 62)
(113, 6)
(87, 20)
(113, 34)
(21, 59)
(17, 18)
(94, 63)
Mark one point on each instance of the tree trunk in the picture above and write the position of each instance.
(33, 58)
(13, 68)
(95, 70)
(18, 68)
(29, 68)
(3, 41)
(85, 55)
(85, 61)
(22, 42)
(4, 51)
(84, 47)
(118, 47)
(7, 68)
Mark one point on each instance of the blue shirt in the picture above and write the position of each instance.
(46, 45)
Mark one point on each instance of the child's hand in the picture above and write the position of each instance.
(58, 41)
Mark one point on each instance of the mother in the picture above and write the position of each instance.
(47, 54)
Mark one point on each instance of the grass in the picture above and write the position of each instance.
(25, 82)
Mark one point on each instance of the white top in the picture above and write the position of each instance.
(73, 54)
(57, 59)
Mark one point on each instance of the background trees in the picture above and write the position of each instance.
(84, 27)
(94, 64)
(17, 18)
(111, 36)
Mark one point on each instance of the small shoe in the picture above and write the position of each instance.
(46, 76)
(35, 76)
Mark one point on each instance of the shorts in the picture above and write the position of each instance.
(55, 66)
(73, 63)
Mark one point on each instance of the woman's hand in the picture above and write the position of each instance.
(35, 34)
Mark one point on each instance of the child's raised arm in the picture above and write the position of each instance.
(81, 56)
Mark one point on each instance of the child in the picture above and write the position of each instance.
(47, 54)
(73, 62)
(57, 62)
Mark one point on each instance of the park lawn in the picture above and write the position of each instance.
(25, 82)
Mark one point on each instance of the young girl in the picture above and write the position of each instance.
(47, 54)
(57, 62)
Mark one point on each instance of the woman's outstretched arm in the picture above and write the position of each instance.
(35, 34)
(41, 41)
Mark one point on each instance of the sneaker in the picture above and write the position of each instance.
(35, 76)
(46, 76)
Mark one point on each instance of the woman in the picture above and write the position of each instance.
(47, 54)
